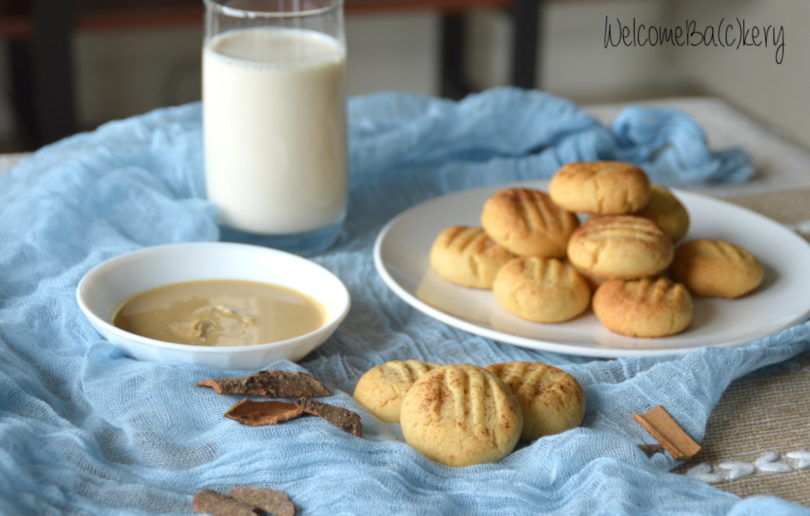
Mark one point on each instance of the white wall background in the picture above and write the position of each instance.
(128, 72)
(750, 78)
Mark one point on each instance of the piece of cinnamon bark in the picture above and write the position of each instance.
(270, 384)
(257, 413)
(342, 418)
(211, 502)
(659, 424)
(268, 500)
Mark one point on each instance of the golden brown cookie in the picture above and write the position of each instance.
(552, 400)
(460, 415)
(467, 256)
(667, 212)
(716, 268)
(526, 222)
(542, 290)
(381, 389)
(644, 307)
(620, 247)
(593, 280)
(600, 187)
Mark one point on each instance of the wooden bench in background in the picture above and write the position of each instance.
(39, 35)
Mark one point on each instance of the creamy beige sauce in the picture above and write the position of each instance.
(220, 313)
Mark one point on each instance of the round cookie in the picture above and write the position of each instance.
(593, 280)
(461, 415)
(620, 247)
(552, 400)
(716, 268)
(381, 389)
(643, 308)
(667, 212)
(543, 290)
(528, 223)
(467, 256)
(600, 187)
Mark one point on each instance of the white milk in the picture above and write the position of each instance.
(275, 129)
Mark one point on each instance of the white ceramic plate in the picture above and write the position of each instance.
(401, 258)
(105, 287)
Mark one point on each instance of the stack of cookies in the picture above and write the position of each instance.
(545, 266)
(462, 414)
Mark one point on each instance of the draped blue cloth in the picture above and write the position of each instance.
(86, 430)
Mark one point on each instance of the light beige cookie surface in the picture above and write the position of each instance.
(552, 400)
(460, 415)
(620, 247)
(542, 290)
(667, 212)
(593, 280)
(600, 187)
(381, 389)
(643, 308)
(467, 256)
(716, 268)
(528, 223)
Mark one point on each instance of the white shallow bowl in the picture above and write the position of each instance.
(108, 285)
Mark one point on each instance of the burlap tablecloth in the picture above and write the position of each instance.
(769, 411)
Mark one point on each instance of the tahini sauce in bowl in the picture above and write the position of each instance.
(220, 313)
(104, 290)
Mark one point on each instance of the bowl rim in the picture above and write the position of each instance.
(99, 322)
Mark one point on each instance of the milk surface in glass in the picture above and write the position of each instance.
(275, 129)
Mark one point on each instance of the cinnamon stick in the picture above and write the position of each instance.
(650, 449)
(659, 424)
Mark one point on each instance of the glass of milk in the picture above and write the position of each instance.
(274, 120)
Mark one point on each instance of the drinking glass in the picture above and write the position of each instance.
(274, 121)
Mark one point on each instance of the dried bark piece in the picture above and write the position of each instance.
(268, 500)
(270, 384)
(257, 413)
(659, 424)
(342, 418)
(211, 502)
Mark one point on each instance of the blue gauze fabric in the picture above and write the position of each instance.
(86, 430)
